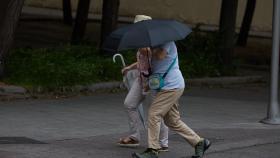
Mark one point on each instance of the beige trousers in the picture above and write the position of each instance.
(133, 99)
(165, 105)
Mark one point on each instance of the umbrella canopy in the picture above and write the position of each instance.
(147, 33)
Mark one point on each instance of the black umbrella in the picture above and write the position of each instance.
(147, 33)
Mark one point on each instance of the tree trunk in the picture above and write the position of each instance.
(10, 11)
(227, 30)
(246, 23)
(80, 21)
(110, 11)
(67, 12)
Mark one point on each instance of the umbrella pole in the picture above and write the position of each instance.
(273, 115)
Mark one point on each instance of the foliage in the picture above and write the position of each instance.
(199, 55)
(66, 66)
(57, 67)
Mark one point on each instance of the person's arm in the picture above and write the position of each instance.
(133, 66)
(130, 67)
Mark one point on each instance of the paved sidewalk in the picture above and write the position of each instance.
(87, 127)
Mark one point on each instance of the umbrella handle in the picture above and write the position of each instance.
(114, 59)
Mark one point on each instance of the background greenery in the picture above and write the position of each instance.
(65, 66)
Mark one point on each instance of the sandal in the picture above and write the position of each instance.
(128, 142)
(163, 149)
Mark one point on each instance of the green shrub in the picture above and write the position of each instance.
(66, 66)
(58, 67)
(200, 55)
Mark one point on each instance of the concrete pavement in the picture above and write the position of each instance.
(89, 126)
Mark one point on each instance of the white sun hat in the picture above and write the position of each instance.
(141, 18)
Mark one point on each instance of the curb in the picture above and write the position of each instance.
(9, 89)
(20, 92)
(224, 81)
(215, 81)
(9, 92)
(99, 86)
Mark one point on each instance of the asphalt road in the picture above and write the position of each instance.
(89, 126)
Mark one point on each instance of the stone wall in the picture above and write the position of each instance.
(189, 11)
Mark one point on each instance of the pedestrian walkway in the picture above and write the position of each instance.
(87, 127)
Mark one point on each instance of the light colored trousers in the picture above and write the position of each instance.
(165, 105)
(133, 99)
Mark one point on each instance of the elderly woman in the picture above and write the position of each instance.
(137, 94)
